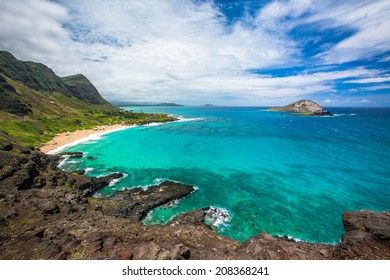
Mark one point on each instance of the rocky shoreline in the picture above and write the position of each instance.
(46, 213)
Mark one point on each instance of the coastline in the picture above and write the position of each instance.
(67, 139)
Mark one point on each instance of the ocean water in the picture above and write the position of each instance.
(267, 171)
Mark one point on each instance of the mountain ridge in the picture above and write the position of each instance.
(36, 104)
(39, 77)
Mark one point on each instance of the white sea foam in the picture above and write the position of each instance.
(149, 219)
(115, 181)
(181, 119)
(340, 115)
(62, 162)
(153, 124)
(159, 180)
(217, 216)
(88, 169)
(97, 195)
(170, 204)
(74, 161)
(289, 237)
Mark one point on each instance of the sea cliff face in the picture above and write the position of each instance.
(46, 213)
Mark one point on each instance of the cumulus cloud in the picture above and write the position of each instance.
(32, 30)
(183, 51)
(370, 19)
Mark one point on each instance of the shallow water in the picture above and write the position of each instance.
(272, 172)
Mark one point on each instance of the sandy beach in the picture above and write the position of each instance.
(67, 139)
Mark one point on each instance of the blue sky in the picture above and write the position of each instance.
(238, 52)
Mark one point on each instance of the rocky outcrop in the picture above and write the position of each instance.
(137, 202)
(306, 107)
(367, 236)
(46, 213)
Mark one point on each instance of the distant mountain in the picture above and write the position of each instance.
(135, 104)
(304, 107)
(30, 88)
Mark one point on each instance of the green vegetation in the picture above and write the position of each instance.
(34, 132)
(35, 104)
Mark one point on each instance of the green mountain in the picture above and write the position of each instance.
(39, 77)
(81, 88)
(120, 103)
(36, 104)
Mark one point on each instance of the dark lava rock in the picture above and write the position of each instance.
(48, 208)
(367, 236)
(72, 154)
(79, 172)
(54, 160)
(194, 217)
(3, 222)
(6, 146)
(90, 185)
(322, 114)
(4, 237)
(375, 224)
(135, 203)
(25, 150)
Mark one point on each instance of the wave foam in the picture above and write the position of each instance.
(88, 169)
(159, 180)
(217, 216)
(340, 115)
(181, 119)
(116, 181)
(153, 124)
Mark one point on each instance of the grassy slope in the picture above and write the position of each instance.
(55, 112)
(83, 89)
(36, 104)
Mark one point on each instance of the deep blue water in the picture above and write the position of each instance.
(272, 171)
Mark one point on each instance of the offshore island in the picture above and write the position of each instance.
(47, 213)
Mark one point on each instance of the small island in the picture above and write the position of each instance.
(304, 107)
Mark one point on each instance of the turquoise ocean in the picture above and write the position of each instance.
(268, 171)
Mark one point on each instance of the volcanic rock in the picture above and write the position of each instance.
(135, 203)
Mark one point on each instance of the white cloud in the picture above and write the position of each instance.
(370, 80)
(177, 50)
(370, 19)
(32, 31)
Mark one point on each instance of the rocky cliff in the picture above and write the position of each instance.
(46, 213)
